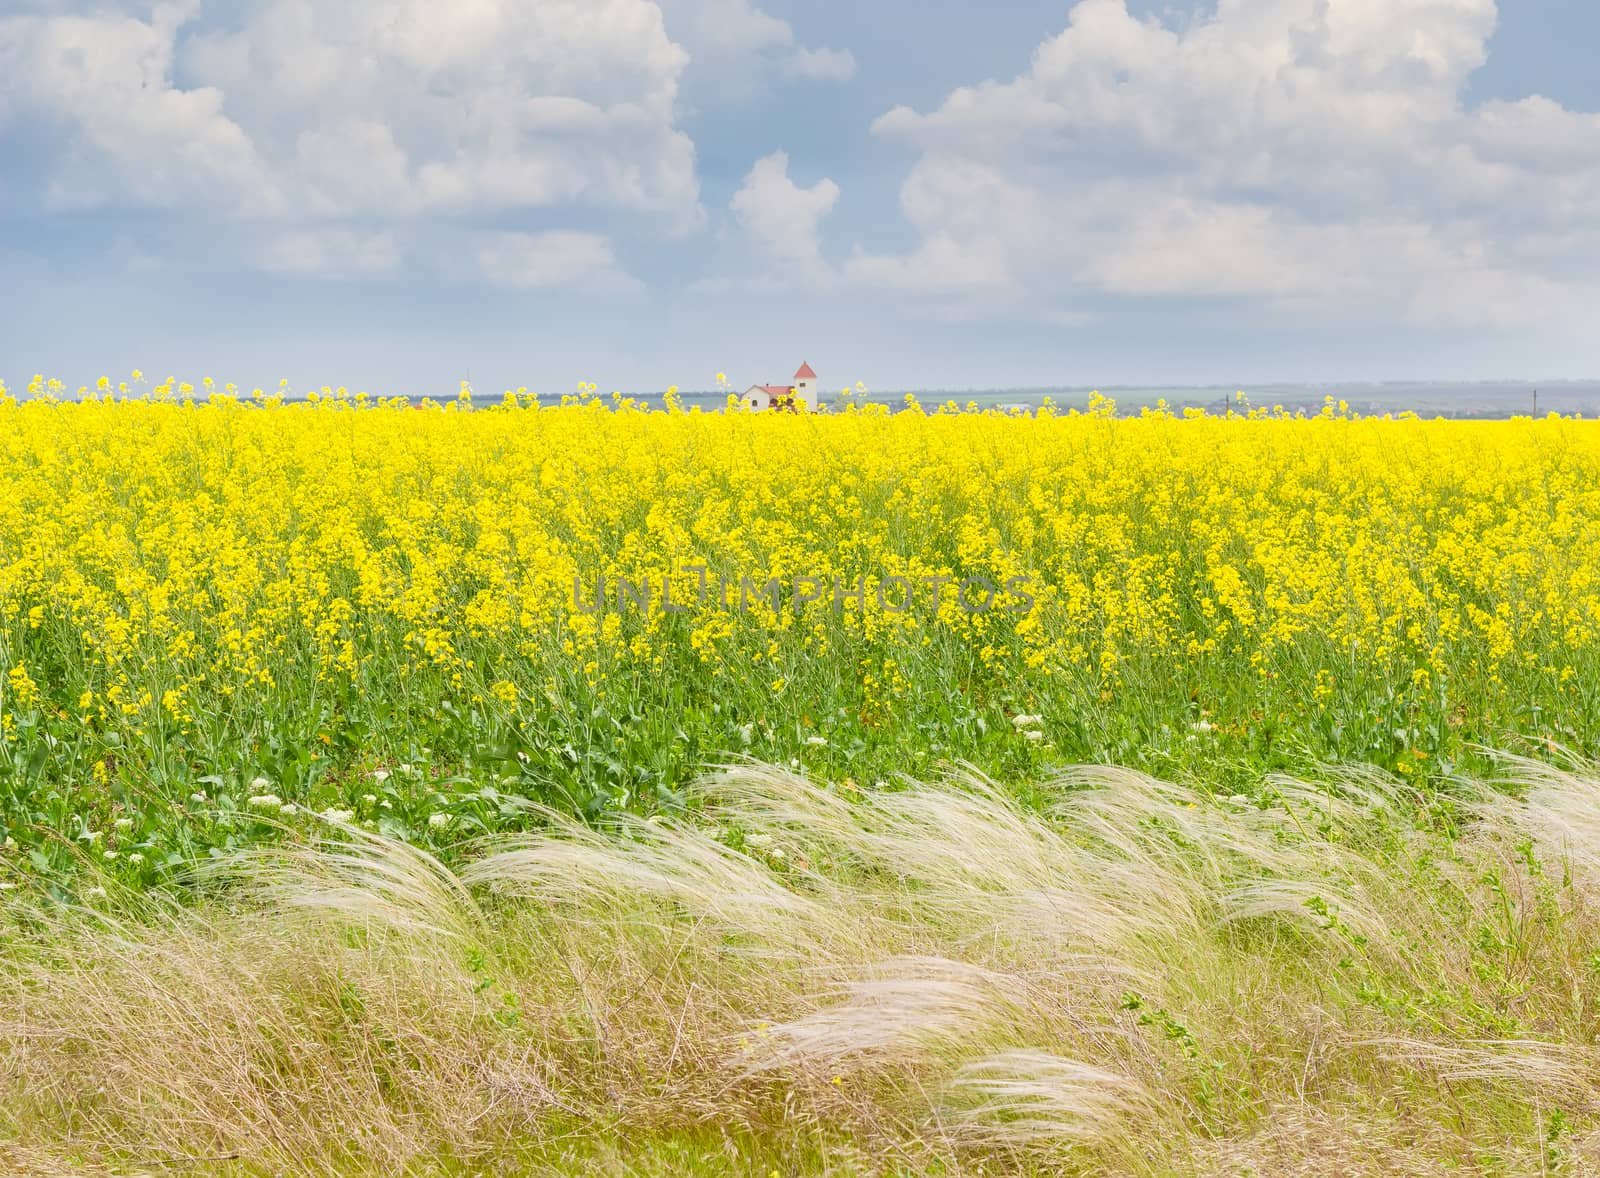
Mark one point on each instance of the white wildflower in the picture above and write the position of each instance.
(380, 775)
(336, 815)
(1022, 720)
(260, 783)
(108, 855)
(266, 801)
(1033, 734)
(438, 820)
(136, 857)
(817, 741)
(124, 823)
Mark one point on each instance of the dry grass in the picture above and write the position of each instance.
(1140, 979)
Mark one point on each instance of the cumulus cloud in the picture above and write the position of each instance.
(720, 31)
(736, 46)
(488, 105)
(348, 139)
(397, 115)
(1297, 153)
(821, 65)
(557, 259)
(330, 251)
(104, 84)
(782, 220)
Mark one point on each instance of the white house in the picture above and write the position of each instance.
(804, 390)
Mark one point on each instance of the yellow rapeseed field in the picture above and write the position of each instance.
(219, 607)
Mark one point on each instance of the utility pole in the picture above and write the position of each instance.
(1536, 402)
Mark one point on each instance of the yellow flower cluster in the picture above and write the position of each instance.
(185, 583)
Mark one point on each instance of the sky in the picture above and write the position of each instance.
(395, 195)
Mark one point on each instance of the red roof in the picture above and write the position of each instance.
(776, 390)
(805, 373)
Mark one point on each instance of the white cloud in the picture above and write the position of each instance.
(354, 165)
(1299, 153)
(735, 46)
(541, 261)
(720, 31)
(357, 132)
(480, 105)
(940, 265)
(347, 129)
(781, 220)
(358, 138)
(106, 81)
(821, 65)
(330, 251)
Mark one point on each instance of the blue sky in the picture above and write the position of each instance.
(396, 194)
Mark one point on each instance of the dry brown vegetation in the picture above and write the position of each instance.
(1134, 978)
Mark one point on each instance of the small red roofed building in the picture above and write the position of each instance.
(800, 397)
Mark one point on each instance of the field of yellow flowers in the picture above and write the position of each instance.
(221, 613)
